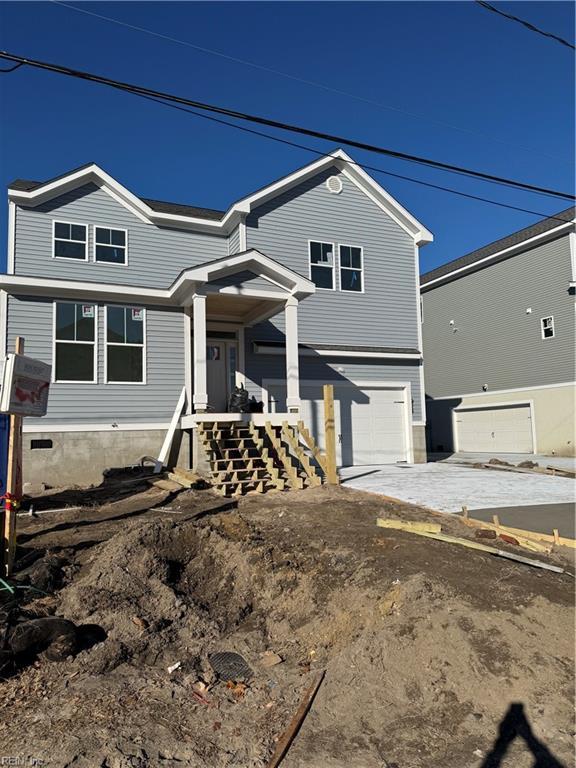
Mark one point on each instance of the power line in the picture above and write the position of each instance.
(526, 24)
(305, 81)
(348, 162)
(280, 125)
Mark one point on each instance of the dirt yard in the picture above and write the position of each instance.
(432, 651)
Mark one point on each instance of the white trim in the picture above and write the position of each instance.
(122, 344)
(339, 159)
(3, 325)
(404, 386)
(125, 246)
(487, 407)
(489, 393)
(134, 210)
(419, 324)
(11, 255)
(242, 235)
(114, 427)
(572, 243)
(548, 317)
(517, 247)
(188, 357)
(68, 341)
(351, 269)
(241, 359)
(64, 240)
(200, 395)
(262, 349)
(323, 266)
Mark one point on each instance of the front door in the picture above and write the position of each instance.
(221, 373)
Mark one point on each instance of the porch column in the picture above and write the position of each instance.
(200, 398)
(292, 363)
(188, 365)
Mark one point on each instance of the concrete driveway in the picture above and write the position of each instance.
(447, 487)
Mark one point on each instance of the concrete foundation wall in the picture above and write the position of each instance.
(419, 444)
(554, 411)
(81, 457)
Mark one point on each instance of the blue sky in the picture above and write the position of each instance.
(487, 94)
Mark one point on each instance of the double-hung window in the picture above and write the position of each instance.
(125, 345)
(110, 245)
(351, 278)
(547, 327)
(69, 241)
(322, 264)
(74, 342)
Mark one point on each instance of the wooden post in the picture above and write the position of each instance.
(465, 512)
(13, 483)
(330, 436)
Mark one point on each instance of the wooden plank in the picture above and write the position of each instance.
(489, 550)
(311, 443)
(295, 480)
(13, 482)
(330, 435)
(167, 444)
(292, 441)
(563, 541)
(408, 525)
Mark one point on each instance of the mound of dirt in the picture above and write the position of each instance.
(426, 646)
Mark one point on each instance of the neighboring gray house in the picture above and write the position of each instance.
(499, 344)
(311, 279)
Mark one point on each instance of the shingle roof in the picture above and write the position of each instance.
(179, 209)
(515, 238)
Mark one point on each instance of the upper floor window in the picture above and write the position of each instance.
(110, 245)
(125, 345)
(322, 264)
(351, 268)
(74, 342)
(547, 327)
(69, 241)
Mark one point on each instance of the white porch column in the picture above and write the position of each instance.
(200, 398)
(188, 365)
(292, 362)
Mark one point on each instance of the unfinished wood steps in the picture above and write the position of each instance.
(247, 459)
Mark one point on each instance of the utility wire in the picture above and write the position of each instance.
(349, 162)
(305, 81)
(527, 24)
(282, 126)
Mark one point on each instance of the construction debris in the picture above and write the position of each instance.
(408, 525)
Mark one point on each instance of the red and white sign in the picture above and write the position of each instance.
(25, 386)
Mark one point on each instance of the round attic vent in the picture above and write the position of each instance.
(334, 185)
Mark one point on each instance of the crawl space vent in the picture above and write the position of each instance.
(334, 185)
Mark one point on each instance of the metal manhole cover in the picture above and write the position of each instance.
(230, 666)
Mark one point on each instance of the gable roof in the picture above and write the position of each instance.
(33, 193)
(562, 221)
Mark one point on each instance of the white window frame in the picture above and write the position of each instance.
(542, 319)
(340, 267)
(121, 344)
(69, 223)
(94, 244)
(322, 242)
(69, 341)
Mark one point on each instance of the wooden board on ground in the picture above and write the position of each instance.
(534, 536)
(408, 525)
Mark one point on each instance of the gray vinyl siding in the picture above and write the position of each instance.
(333, 369)
(494, 341)
(106, 403)
(156, 255)
(386, 313)
(234, 241)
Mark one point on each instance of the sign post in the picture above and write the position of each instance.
(24, 393)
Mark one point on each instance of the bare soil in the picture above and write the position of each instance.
(427, 646)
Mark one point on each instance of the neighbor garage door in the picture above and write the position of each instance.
(370, 424)
(504, 429)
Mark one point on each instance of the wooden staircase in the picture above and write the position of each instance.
(245, 458)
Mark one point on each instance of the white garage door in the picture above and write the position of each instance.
(370, 422)
(505, 429)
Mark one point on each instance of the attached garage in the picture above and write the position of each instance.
(494, 429)
(372, 421)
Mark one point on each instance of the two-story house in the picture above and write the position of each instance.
(312, 279)
(499, 344)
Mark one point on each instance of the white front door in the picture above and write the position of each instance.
(220, 373)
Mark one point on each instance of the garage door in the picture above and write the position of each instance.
(370, 422)
(505, 429)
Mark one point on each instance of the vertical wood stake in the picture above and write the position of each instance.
(496, 522)
(556, 535)
(465, 512)
(13, 483)
(330, 435)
